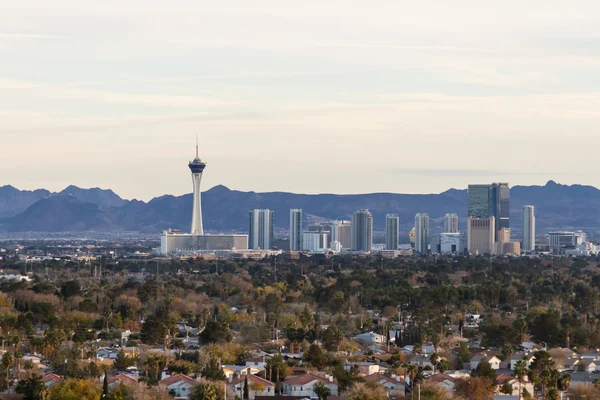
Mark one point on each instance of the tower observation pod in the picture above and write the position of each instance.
(197, 167)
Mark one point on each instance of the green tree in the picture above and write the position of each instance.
(122, 362)
(32, 388)
(75, 390)
(332, 337)
(520, 372)
(322, 391)
(246, 393)
(484, 370)
(213, 371)
(315, 356)
(215, 332)
(208, 390)
(7, 361)
(105, 391)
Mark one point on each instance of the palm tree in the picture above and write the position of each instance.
(322, 391)
(520, 372)
(29, 366)
(18, 357)
(568, 331)
(565, 381)
(7, 361)
(411, 372)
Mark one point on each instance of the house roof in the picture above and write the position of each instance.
(439, 378)
(380, 377)
(307, 378)
(127, 379)
(502, 378)
(252, 379)
(177, 378)
(51, 377)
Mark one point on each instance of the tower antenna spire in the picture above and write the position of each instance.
(196, 146)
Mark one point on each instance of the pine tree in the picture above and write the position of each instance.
(105, 387)
(246, 392)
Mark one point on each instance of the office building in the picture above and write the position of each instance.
(450, 223)
(528, 229)
(261, 229)
(174, 242)
(491, 200)
(422, 233)
(392, 232)
(295, 229)
(344, 234)
(561, 240)
(450, 243)
(481, 235)
(362, 231)
(315, 241)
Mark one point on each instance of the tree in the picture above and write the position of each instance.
(474, 389)
(213, 371)
(332, 337)
(362, 391)
(322, 391)
(153, 331)
(32, 388)
(246, 393)
(520, 372)
(582, 392)
(275, 369)
(75, 390)
(463, 353)
(506, 388)
(215, 332)
(315, 356)
(207, 390)
(443, 365)
(484, 370)
(105, 386)
(7, 361)
(434, 392)
(565, 381)
(122, 362)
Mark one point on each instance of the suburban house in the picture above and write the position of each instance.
(395, 385)
(179, 386)
(107, 352)
(370, 338)
(50, 379)
(521, 356)
(493, 360)
(443, 380)
(364, 368)
(231, 371)
(514, 383)
(121, 379)
(420, 361)
(304, 385)
(257, 386)
(587, 365)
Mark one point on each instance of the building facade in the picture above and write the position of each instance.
(422, 233)
(362, 231)
(343, 231)
(295, 229)
(528, 229)
(177, 243)
(481, 235)
(315, 241)
(450, 223)
(261, 229)
(450, 243)
(392, 232)
(492, 200)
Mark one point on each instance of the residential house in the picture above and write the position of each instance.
(257, 386)
(493, 360)
(521, 356)
(395, 385)
(180, 386)
(445, 381)
(591, 354)
(514, 383)
(587, 365)
(420, 361)
(107, 353)
(121, 379)
(304, 385)
(364, 368)
(51, 379)
(232, 371)
(370, 338)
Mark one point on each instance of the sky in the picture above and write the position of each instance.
(311, 96)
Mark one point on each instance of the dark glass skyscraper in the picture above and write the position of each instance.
(490, 201)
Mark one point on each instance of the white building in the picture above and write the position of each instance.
(392, 232)
(261, 229)
(450, 223)
(304, 385)
(362, 231)
(422, 233)
(295, 229)
(315, 241)
(528, 229)
(449, 243)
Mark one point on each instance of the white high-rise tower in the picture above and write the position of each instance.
(197, 167)
(528, 233)
(392, 231)
(451, 223)
(422, 233)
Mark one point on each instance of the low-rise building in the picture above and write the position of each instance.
(179, 386)
(304, 385)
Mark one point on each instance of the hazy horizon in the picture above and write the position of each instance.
(310, 97)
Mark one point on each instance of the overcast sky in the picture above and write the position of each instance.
(306, 96)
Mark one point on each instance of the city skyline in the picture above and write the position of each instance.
(126, 87)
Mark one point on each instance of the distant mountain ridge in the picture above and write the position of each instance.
(225, 210)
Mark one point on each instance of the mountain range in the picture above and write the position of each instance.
(224, 210)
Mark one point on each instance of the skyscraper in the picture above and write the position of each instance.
(344, 233)
(392, 232)
(261, 229)
(295, 229)
(528, 226)
(197, 167)
(362, 231)
(481, 235)
(422, 233)
(491, 200)
(451, 223)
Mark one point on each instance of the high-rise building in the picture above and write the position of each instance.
(450, 243)
(197, 167)
(261, 229)
(362, 231)
(481, 235)
(344, 234)
(491, 200)
(295, 229)
(392, 232)
(315, 241)
(528, 229)
(422, 233)
(450, 223)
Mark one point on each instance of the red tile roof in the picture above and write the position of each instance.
(177, 378)
(127, 379)
(304, 379)
(51, 377)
